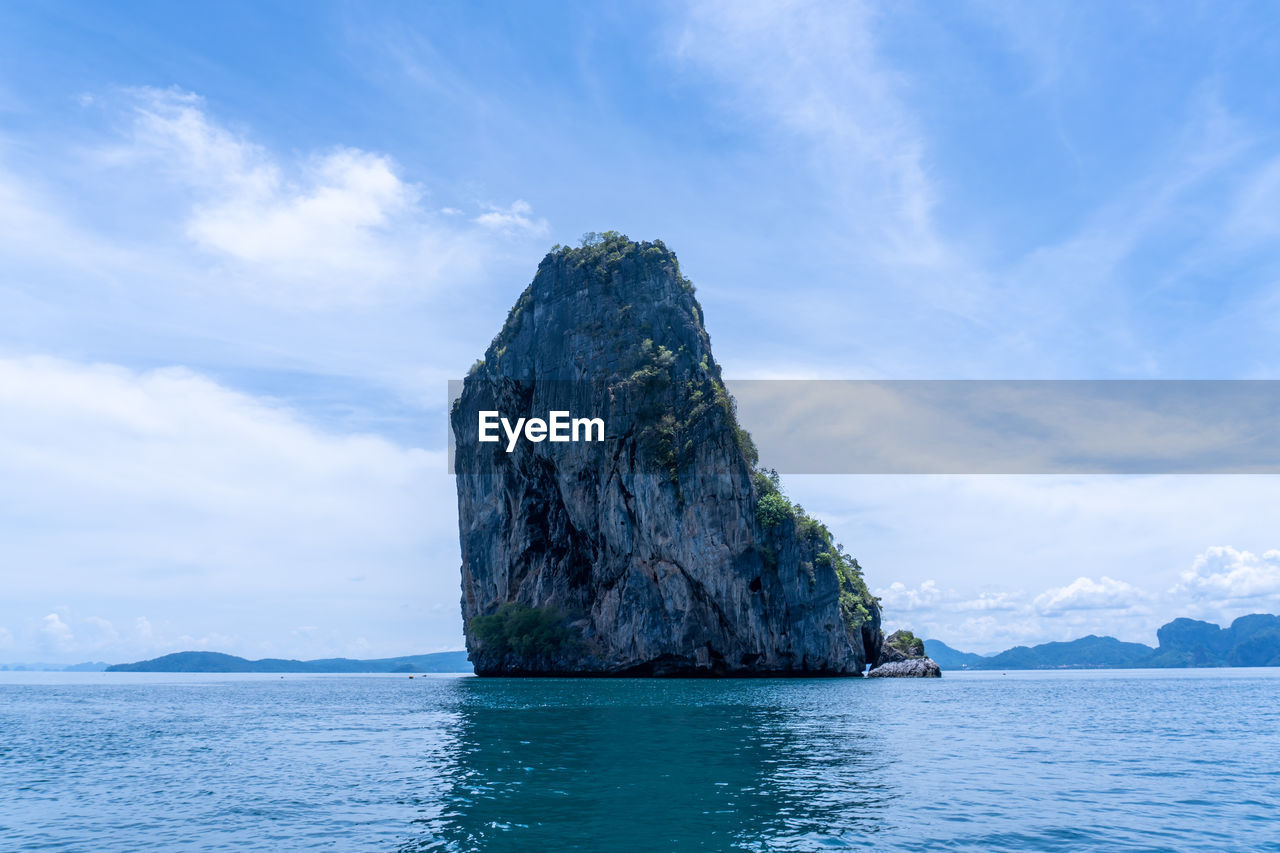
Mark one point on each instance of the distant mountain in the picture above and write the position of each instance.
(1249, 641)
(95, 666)
(949, 658)
(218, 662)
(1090, 651)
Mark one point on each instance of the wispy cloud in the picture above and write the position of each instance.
(516, 217)
(813, 70)
(916, 238)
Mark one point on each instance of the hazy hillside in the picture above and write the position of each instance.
(218, 662)
(1249, 641)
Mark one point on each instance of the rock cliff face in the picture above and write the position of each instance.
(660, 550)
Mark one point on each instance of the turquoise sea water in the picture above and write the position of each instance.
(1117, 760)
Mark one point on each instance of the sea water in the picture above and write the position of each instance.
(1109, 760)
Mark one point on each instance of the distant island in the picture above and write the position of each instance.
(1249, 641)
(218, 662)
(90, 666)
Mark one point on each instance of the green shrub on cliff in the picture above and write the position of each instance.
(854, 594)
(907, 643)
(772, 510)
(767, 481)
(526, 631)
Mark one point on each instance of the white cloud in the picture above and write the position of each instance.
(1222, 584)
(328, 227)
(987, 541)
(171, 130)
(928, 596)
(324, 217)
(329, 222)
(56, 635)
(898, 596)
(6, 638)
(1004, 618)
(993, 621)
(1087, 594)
(1225, 574)
(990, 601)
(172, 439)
(517, 217)
(163, 489)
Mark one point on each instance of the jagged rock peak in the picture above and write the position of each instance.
(659, 549)
(597, 297)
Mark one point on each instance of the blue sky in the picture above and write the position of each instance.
(245, 246)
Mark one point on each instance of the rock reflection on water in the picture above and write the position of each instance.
(652, 765)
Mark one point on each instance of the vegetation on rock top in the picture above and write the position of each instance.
(907, 643)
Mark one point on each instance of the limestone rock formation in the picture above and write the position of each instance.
(660, 550)
(902, 656)
(909, 668)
